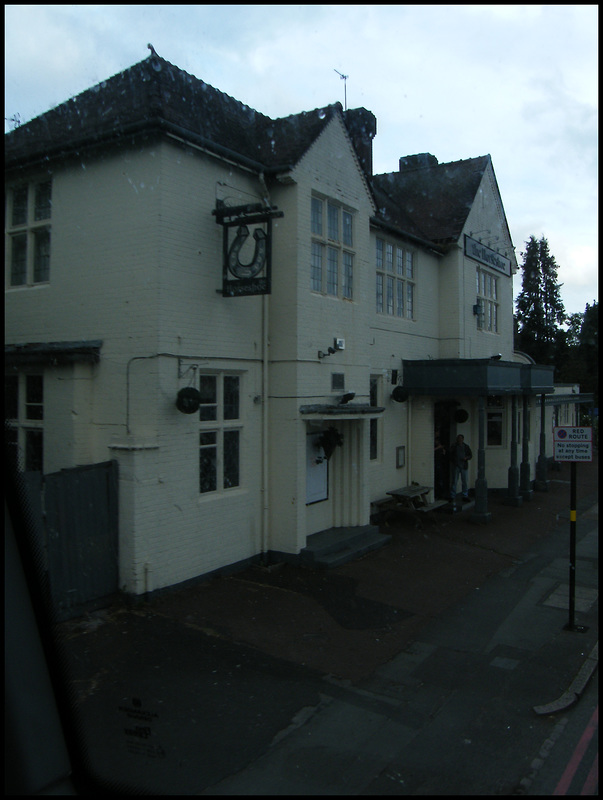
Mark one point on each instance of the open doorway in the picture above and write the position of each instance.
(443, 431)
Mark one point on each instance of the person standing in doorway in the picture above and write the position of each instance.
(460, 453)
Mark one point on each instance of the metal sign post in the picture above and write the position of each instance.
(573, 445)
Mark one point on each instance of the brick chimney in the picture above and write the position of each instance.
(362, 127)
(418, 161)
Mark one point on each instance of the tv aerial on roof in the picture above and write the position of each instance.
(344, 78)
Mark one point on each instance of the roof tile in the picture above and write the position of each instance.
(430, 200)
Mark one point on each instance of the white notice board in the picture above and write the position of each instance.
(573, 444)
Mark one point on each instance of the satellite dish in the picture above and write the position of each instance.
(188, 400)
(460, 415)
(400, 394)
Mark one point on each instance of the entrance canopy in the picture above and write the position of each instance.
(19, 355)
(475, 376)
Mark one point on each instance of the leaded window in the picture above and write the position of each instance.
(219, 432)
(29, 213)
(487, 300)
(395, 285)
(331, 255)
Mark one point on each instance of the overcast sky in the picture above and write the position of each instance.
(517, 82)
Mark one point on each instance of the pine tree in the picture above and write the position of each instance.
(578, 360)
(588, 348)
(539, 305)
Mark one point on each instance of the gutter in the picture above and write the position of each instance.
(379, 223)
(158, 125)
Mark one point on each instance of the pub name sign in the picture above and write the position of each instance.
(485, 255)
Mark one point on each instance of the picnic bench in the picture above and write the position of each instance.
(408, 498)
(414, 498)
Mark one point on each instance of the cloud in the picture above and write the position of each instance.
(518, 82)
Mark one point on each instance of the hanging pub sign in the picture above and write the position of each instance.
(248, 274)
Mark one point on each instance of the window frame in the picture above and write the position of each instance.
(221, 417)
(29, 214)
(488, 298)
(396, 281)
(28, 424)
(495, 416)
(332, 247)
(375, 392)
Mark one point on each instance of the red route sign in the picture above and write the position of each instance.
(573, 444)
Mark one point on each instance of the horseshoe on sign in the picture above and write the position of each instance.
(259, 256)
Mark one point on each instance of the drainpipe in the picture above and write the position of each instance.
(408, 441)
(265, 402)
(541, 484)
(265, 504)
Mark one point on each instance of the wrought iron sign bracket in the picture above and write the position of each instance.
(241, 279)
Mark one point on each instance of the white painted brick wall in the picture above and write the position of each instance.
(137, 262)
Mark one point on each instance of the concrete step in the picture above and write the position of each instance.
(336, 546)
(457, 506)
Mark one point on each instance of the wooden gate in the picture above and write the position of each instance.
(81, 527)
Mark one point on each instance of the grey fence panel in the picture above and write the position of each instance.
(33, 505)
(82, 536)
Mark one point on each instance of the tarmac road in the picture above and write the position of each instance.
(414, 670)
(571, 766)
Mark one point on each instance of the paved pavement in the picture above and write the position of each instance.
(414, 670)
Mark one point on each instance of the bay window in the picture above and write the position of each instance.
(332, 249)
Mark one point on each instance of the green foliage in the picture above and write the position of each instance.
(574, 351)
(540, 308)
(577, 360)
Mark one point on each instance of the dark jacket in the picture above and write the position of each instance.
(460, 454)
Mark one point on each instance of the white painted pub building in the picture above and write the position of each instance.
(263, 335)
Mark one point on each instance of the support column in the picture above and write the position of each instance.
(542, 484)
(481, 513)
(525, 486)
(513, 496)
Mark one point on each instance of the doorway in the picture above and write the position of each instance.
(443, 416)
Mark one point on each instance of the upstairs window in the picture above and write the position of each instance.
(332, 253)
(395, 279)
(29, 214)
(487, 299)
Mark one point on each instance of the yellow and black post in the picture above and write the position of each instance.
(571, 625)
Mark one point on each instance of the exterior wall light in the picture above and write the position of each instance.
(188, 400)
(400, 394)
